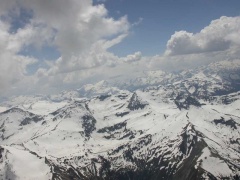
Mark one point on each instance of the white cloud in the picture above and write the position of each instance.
(83, 33)
(220, 35)
(6, 5)
(13, 66)
(139, 21)
(133, 57)
(97, 63)
(78, 27)
(109, 43)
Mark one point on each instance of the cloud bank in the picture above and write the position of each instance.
(222, 34)
(83, 33)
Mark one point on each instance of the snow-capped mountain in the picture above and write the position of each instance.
(179, 126)
(100, 88)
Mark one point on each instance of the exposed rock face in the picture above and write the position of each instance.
(136, 103)
(88, 125)
(185, 127)
(231, 123)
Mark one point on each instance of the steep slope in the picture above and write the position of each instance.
(186, 127)
(19, 163)
(17, 125)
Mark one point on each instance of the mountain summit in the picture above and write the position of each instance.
(176, 126)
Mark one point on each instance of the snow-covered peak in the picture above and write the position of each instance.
(100, 88)
(64, 96)
(173, 126)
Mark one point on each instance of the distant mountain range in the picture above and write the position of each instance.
(157, 125)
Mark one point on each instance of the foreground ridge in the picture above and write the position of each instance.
(184, 126)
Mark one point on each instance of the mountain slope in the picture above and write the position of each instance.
(186, 127)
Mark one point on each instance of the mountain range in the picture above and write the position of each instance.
(158, 125)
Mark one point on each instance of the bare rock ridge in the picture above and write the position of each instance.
(182, 126)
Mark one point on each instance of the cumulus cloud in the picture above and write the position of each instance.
(78, 27)
(13, 66)
(83, 33)
(220, 35)
(80, 31)
(133, 57)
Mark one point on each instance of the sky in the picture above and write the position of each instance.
(49, 46)
(161, 18)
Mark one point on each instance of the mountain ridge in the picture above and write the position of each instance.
(185, 127)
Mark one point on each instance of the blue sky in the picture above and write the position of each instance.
(156, 21)
(161, 18)
(50, 46)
